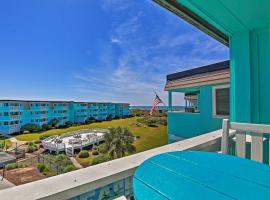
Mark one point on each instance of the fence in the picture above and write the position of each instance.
(55, 163)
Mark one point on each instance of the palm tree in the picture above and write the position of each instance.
(119, 142)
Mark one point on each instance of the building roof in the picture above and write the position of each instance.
(221, 19)
(200, 70)
(216, 73)
(53, 101)
(193, 18)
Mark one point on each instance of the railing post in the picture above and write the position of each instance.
(225, 136)
(169, 101)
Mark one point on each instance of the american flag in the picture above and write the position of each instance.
(156, 101)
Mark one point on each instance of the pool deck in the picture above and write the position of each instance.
(74, 140)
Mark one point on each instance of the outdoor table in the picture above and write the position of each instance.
(201, 175)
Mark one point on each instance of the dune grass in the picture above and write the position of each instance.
(149, 137)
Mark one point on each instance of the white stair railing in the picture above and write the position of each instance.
(256, 131)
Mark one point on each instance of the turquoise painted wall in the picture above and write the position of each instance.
(250, 71)
(187, 125)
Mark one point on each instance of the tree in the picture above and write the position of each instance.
(110, 117)
(68, 123)
(46, 127)
(30, 127)
(54, 122)
(119, 142)
(90, 120)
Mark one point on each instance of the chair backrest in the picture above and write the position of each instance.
(241, 130)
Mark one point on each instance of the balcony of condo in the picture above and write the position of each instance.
(205, 91)
(196, 167)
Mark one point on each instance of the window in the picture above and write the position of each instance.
(221, 101)
(191, 102)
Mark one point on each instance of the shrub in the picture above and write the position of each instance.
(68, 123)
(22, 165)
(110, 117)
(41, 167)
(69, 168)
(100, 159)
(95, 148)
(55, 163)
(46, 127)
(31, 147)
(30, 127)
(11, 166)
(62, 126)
(102, 148)
(162, 121)
(83, 154)
(47, 171)
(37, 141)
(54, 122)
(95, 153)
(151, 122)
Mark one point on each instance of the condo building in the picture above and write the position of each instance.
(16, 113)
(206, 92)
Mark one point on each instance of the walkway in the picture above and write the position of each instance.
(75, 163)
(15, 142)
(4, 183)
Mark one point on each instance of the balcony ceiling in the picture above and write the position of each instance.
(221, 18)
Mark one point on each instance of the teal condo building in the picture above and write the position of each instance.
(16, 113)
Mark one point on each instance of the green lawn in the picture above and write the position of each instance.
(150, 137)
(85, 161)
(7, 142)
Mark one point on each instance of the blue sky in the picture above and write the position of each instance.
(103, 50)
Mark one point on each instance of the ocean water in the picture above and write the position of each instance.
(159, 107)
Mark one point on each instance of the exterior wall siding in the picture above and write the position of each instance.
(15, 114)
(110, 191)
(182, 125)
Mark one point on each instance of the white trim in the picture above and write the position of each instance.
(214, 111)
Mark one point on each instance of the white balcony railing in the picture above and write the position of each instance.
(244, 133)
(14, 126)
(89, 180)
(14, 108)
(14, 117)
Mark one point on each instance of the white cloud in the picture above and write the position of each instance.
(148, 52)
(115, 40)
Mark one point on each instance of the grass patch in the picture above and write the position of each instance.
(149, 137)
(3, 141)
(85, 162)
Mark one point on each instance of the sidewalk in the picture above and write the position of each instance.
(4, 184)
(14, 141)
(75, 163)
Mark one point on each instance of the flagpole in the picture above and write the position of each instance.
(160, 99)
